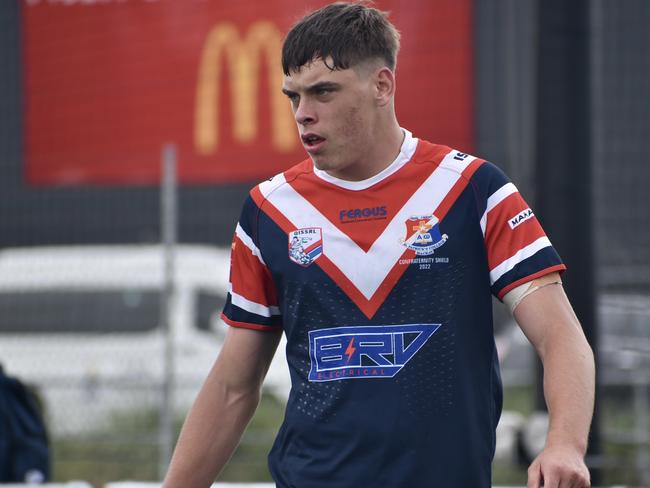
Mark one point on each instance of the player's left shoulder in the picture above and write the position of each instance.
(485, 177)
(443, 156)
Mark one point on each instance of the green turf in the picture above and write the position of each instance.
(127, 449)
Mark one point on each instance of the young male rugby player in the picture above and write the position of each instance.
(377, 257)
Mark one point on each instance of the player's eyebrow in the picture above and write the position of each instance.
(315, 88)
(322, 85)
(289, 93)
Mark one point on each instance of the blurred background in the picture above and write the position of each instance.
(113, 270)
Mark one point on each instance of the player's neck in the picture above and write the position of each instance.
(387, 144)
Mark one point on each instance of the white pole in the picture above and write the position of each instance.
(168, 226)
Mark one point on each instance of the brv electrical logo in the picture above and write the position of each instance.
(365, 351)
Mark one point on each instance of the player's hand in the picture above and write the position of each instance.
(558, 467)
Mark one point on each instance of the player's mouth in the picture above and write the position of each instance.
(312, 142)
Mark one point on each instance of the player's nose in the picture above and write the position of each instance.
(305, 113)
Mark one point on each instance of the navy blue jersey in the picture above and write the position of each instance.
(383, 288)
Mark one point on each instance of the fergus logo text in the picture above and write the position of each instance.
(365, 351)
(361, 214)
(520, 218)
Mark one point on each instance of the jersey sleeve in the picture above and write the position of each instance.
(252, 301)
(517, 247)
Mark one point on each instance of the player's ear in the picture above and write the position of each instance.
(384, 86)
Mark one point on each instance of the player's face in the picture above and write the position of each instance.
(335, 113)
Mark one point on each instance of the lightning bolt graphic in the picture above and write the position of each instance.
(350, 349)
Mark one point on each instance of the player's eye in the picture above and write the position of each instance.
(293, 98)
(323, 92)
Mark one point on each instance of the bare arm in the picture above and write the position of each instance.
(548, 320)
(223, 408)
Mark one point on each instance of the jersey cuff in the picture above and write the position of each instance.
(248, 325)
(558, 267)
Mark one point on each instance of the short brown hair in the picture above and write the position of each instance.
(348, 33)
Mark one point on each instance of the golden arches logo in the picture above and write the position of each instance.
(244, 58)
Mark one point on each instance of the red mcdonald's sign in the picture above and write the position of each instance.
(108, 82)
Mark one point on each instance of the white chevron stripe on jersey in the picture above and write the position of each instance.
(248, 242)
(495, 199)
(366, 270)
(518, 257)
(252, 307)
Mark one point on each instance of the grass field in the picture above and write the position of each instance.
(128, 450)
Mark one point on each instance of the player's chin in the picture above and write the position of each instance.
(321, 163)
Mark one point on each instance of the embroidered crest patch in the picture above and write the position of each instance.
(305, 245)
(423, 234)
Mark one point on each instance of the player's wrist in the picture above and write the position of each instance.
(565, 442)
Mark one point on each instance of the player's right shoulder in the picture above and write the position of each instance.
(261, 192)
